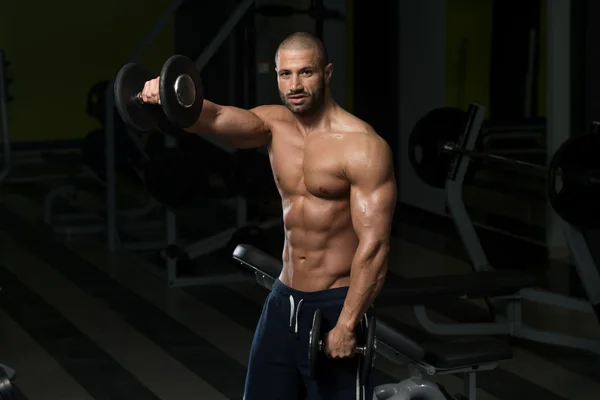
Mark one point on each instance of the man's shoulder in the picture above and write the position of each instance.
(271, 112)
(360, 133)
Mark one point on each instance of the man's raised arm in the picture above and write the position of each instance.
(373, 196)
(236, 126)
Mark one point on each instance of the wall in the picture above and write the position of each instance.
(542, 72)
(422, 87)
(373, 71)
(592, 62)
(334, 37)
(270, 31)
(468, 52)
(60, 49)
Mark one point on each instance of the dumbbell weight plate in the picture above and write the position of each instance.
(574, 181)
(313, 345)
(430, 133)
(181, 91)
(129, 82)
(368, 361)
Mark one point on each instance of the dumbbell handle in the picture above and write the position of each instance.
(138, 98)
(184, 88)
(358, 350)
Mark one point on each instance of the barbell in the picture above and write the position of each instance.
(573, 174)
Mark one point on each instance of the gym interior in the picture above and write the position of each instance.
(134, 264)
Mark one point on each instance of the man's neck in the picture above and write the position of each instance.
(319, 120)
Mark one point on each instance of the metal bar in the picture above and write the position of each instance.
(525, 128)
(171, 227)
(454, 200)
(249, 80)
(4, 117)
(231, 70)
(158, 25)
(225, 31)
(558, 100)
(8, 370)
(584, 263)
(111, 179)
(529, 78)
(453, 148)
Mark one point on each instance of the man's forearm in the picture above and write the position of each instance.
(369, 268)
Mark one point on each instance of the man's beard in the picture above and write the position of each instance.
(312, 101)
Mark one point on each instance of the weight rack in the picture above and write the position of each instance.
(508, 318)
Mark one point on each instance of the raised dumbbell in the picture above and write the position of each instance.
(316, 345)
(181, 94)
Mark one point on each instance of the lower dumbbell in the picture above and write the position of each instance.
(316, 345)
(181, 94)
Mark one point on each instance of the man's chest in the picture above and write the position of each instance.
(312, 165)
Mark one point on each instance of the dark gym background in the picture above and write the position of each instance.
(81, 319)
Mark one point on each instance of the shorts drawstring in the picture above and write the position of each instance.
(294, 314)
(291, 309)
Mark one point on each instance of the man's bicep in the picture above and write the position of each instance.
(239, 127)
(243, 128)
(373, 194)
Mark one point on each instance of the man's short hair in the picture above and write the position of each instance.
(305, 41)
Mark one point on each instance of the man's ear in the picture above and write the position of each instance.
(328, 72)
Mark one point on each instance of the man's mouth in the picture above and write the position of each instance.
(297, 98)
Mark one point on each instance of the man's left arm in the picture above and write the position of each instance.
(373, 194)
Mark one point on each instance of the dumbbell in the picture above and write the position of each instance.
(316, 345)
(181, 95)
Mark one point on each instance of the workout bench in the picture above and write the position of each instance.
(433, 359)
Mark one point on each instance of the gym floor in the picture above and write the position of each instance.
(79, 323)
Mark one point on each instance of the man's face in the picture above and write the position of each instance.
(301, 81)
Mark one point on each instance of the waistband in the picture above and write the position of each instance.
(310, 297)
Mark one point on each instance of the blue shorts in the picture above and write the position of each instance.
(278, 366)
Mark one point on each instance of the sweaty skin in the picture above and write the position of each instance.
(335, 177)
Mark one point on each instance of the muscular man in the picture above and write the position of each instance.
(338, 191)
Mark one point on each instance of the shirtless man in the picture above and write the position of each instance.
(338, 191)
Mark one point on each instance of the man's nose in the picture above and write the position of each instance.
(296, 85)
